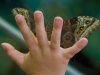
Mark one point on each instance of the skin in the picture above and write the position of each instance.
(44, 57)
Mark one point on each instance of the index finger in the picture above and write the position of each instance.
(29, 37)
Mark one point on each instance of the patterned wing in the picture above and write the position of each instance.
(49, 28)
(67, 35)
(77, 28)
(28, 16)
(73, 29)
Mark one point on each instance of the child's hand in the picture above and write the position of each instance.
(44, 57)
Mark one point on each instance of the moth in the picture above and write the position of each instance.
(73, 29)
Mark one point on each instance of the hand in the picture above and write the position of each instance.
(44, 57)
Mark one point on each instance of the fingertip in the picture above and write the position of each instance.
(58, 20)
(80, 44)
(38, 11)
(3, 46)
(38, 14)
(21, 21)
(7, 47)
(18, 18)
(84, 41)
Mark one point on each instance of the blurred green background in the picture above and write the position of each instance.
(86, 62)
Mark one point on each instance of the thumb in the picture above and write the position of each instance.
(70, 52)
(15, 55)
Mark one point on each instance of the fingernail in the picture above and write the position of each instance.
(84, 41)
(38, 15)
(18, 18)
(58, 21)
(3, 46)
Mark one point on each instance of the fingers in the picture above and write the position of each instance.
(13, 54)
(70, 52)
(56, 33)
(27, 34)
(40, 29)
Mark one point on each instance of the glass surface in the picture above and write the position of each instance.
(85, 62)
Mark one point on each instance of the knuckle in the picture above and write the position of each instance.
(26, 35)
(71, 54)
(9, 54)
(55, 39)
(40, 37)
(79, 47)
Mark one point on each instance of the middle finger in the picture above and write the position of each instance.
(40, 29)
